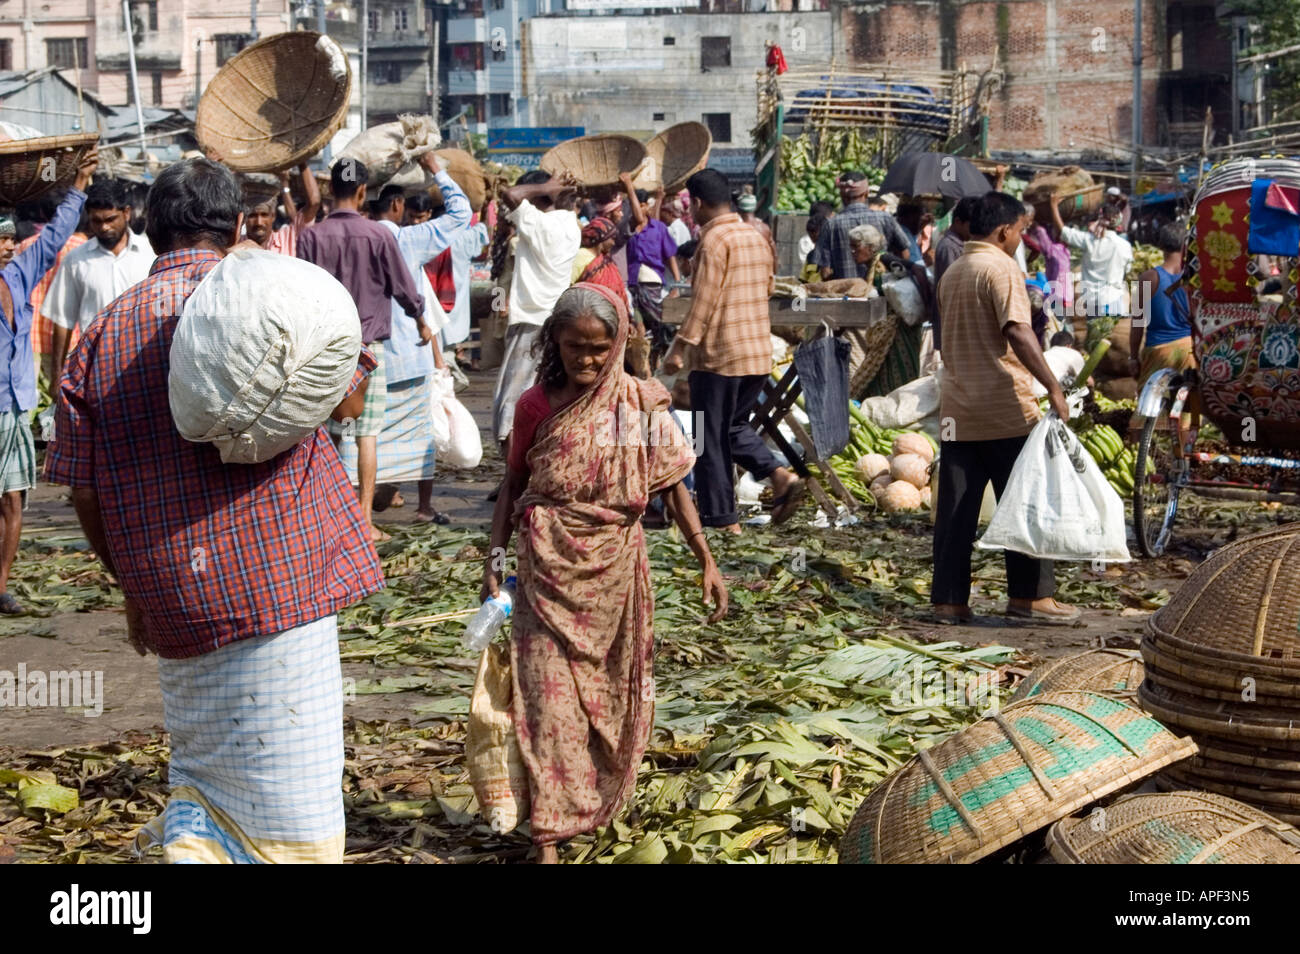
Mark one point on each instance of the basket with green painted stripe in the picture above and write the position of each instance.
(1116, 672)
(1007, 776)
(1174, 828)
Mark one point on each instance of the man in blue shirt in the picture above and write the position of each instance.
(1161, 335)
(18, 276)
(406, 449)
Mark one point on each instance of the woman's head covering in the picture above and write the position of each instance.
(7, 225)
(598, 230)
(747, 203)
(612, 206)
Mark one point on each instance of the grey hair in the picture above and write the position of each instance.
(1029, 208)
(573, 304)
(868, 235)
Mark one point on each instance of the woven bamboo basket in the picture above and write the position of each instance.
(1080, 204)
(1175, 828)
(1216, 679)
(1239, 608)
(595, 160)
(466, 173)
(1008, 776)
(275, 103)
(867, 350)
(1115, 672)
(1237, 721)
(31, 167)
(674, 156)
(1252, 756)
(1204, 767)
(1268, 799)
(1167, 782)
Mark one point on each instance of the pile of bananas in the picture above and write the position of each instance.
(808, 174)
(1145, 257)
(1116, 461)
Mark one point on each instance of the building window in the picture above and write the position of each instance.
(144, 17)
(501, 104)
(498, 55)
(467, 56)
(401, 20)
(719, 126)
(670, 41)
(6, 54)
(498, 4)
(66, 53)
(228, 44)
(157, 89)
(715, 51)
(385, 73)
(375, 20)
(657, 118)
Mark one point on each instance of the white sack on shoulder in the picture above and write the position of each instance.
(1058, 504)
(390, 151)
(264, 351)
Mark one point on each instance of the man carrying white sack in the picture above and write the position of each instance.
(232, 573)
(406, 448)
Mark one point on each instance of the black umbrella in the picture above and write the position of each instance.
(934, 173)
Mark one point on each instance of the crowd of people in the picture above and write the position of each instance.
(233, 574)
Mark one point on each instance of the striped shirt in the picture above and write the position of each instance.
(731, 283)
(987, 394)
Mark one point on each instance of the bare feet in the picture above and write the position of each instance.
(377, 535)
(432, 516)
(732, 528)
(548, 855)
(397, 501)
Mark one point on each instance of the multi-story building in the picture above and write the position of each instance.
(1067, 66)
(483, 63)
(180, 44)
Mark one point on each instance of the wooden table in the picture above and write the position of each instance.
(780, 396)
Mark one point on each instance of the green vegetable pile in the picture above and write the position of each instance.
(808, 171)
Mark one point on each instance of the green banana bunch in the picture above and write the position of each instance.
(1103, 442)
(1120, 474)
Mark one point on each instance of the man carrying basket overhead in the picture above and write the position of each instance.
(18, 276)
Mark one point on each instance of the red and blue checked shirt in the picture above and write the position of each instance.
(213, 552)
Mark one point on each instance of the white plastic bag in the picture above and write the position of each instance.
(1057, 505)
(905, 300)
(455, 435)
(265, 349)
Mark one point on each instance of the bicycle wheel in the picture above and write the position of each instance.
(1157, 481)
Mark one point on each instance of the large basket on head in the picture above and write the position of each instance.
(1072, 188)
(30, 167)
(1007, 776)
(1115, 672)
(675, 155)
(595, 160)
(1174, 828)
(276, 103)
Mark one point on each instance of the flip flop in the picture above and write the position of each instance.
(438, 517)
(10, 606)
(784, 506)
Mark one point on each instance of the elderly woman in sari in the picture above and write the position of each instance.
(591, 445)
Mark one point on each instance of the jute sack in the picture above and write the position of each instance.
(496, 766)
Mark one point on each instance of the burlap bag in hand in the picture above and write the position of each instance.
(496, 768)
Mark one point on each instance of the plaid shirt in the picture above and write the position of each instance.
(731, 283)
(833, 250)
(214, 553)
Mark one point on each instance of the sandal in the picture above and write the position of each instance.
(10, 606)
(437, 517)
(784, 506)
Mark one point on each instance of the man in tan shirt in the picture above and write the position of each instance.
(730, 334)
(987, 409)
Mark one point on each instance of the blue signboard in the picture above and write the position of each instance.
(530, 138)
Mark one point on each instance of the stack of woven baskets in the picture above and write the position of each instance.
(1223, 665)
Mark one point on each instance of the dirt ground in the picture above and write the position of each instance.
(132, 700)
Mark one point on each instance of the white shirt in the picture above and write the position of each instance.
(548, 243)
(680, 233)
(1104, 268)
(806, 245)
(92, 277)
(1021, 260)
(1062, 361)
(465, 246)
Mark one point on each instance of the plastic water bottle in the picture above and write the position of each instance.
(483, 625)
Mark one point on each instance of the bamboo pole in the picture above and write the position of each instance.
(81, 104)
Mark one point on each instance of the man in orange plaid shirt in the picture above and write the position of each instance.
(730, 335)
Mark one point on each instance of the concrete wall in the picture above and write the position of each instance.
(1068, 65)
(617, 73)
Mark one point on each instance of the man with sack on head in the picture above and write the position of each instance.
(987, 409)
(232, 573)
(364, 256)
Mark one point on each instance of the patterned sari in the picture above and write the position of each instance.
(582, 647)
